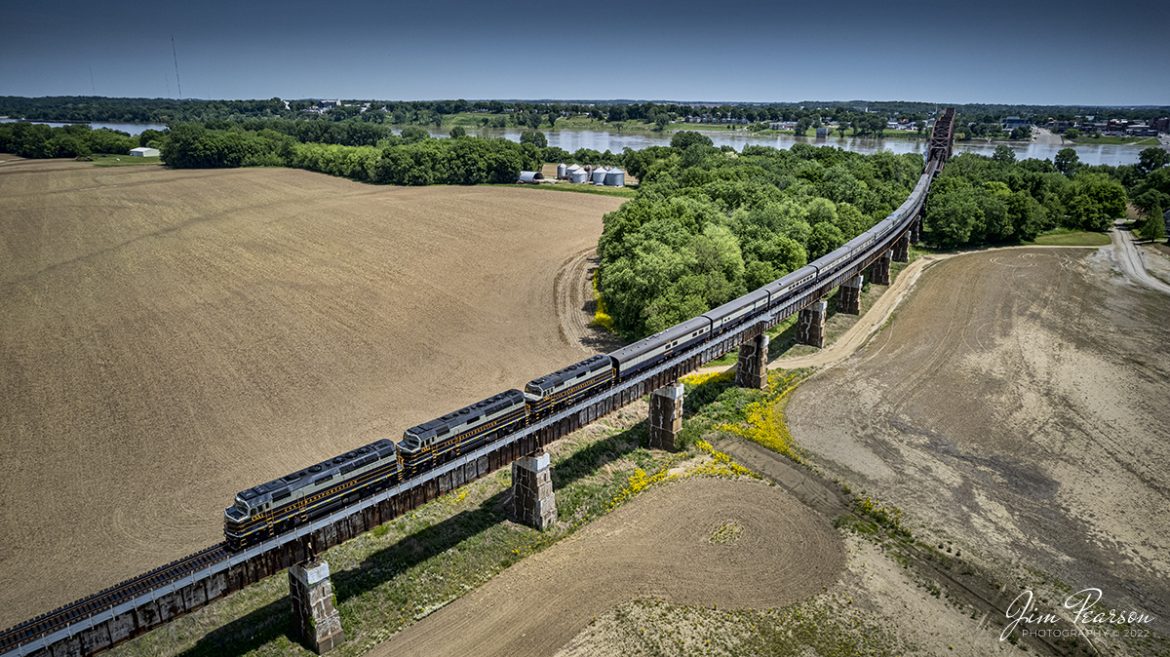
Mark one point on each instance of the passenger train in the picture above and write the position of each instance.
(274, 507)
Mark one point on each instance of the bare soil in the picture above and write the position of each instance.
(702, 541)
(172, 337)
(1015, 410)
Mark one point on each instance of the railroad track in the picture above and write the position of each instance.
(107, 599)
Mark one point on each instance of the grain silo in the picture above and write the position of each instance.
(578, 175)
(562, 171)
(615, 177)
(598, 176)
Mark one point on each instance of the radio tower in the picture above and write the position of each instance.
(175, 54)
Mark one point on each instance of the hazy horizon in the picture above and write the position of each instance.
(755, 52)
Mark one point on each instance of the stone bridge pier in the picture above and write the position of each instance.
(316, 621)
(902, 248)
(666, 410)
(810, 326)
(879, 271)
(533, 501)
(849, 295)
(751, 367)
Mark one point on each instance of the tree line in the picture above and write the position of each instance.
(34, 140)
(532, 114)
(408, 159)
(995, 200)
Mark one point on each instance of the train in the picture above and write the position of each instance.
(271, 508)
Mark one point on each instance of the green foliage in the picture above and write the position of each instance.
(1151, 159)
(458, 131)
(34, 140)
(1096, 200)
(980, 200)
(414, 160)
(414, 134)
(707, 225)
(1154, 226)
(1067, 161)
(534, 137)
(685, 138)
(191, 146)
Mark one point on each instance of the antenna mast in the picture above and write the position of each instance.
(175, 54)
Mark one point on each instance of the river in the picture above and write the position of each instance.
(603, 140)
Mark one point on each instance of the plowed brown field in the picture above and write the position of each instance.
(171, 337)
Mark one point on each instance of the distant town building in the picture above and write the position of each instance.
(144, 151)
(1013, 122)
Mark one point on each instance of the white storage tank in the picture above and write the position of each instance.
(578, 176)
(562, 171)
(615, 177)
(598, 177)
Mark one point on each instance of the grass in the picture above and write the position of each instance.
(1068, 237)
(106, 160)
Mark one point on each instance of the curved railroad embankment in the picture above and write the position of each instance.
(658, 545)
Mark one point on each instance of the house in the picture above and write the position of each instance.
(1013, 122)
(144, 151)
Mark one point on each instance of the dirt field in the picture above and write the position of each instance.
(733, 544)
(172, 337)
(1016, 406)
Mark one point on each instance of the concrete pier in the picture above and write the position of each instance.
(533, 501)
(916, 230)
(810, 327)
(879, 271)
(902, 248)
(315, 619)
(849, 295)
(751, 368)
(666, 410)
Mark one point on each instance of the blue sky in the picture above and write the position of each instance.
(990, 51)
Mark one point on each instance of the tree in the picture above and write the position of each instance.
(951, 216)
(1154, 227)
(1067, 161)
(1096, 200)
(534, 137)
(1152, 158)
(458, 131)
(1072, 133)
(661, 121)
(413, 134)
(684, 138)
(1004, 154)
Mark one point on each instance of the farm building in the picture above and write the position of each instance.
(144, 151)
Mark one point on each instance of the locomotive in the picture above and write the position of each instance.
(274, 507)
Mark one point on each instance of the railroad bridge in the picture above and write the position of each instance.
(145, 602)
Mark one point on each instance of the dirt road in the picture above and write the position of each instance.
(172, 337)
(1017, 408)
(735, 544)
(1131, 260)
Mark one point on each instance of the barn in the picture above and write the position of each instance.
(144, 151)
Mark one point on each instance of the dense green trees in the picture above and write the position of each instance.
(709, 225)
(415, 159)
(534, 137)
(35, 140)
(979, 200)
